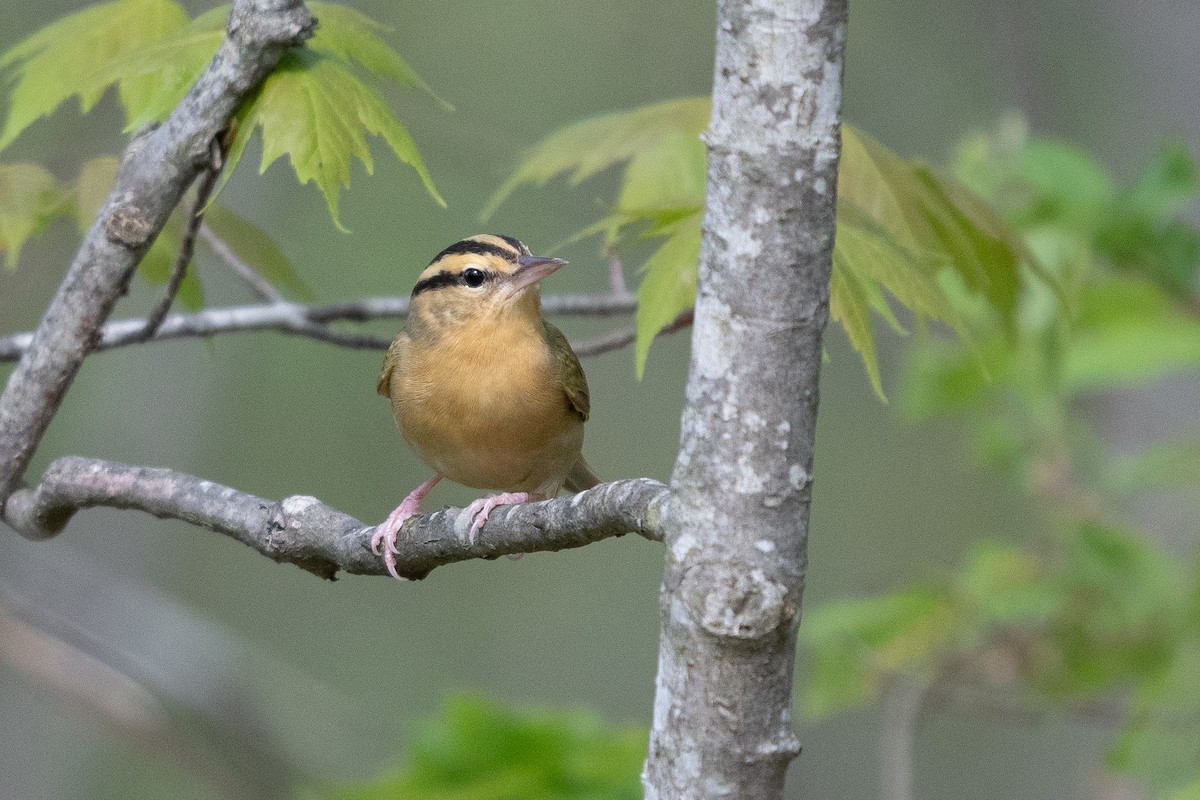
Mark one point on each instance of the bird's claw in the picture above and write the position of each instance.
(383, 542)
(479, 510)
(386, 534)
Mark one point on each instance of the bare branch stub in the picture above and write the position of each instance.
(304, 531)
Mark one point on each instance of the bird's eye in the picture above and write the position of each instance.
(473, 277)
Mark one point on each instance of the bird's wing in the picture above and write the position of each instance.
(570, 373)
(390, 362)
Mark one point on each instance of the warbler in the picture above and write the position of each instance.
(485, 391)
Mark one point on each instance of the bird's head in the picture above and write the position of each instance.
(477, 277)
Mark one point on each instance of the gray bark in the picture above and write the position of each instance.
(155, 171)
(736, 524)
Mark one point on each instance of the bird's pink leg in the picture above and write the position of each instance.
(385, 534)
(481, 508)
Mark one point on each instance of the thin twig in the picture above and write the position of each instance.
(606, 342)
(902, 703)
(623, 337)
(304, 320)
(187, 246)
(260, 285)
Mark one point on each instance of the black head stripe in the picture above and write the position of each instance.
(517, 245)
(476, 248)
(436, 281)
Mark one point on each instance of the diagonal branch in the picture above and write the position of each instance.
(155, 171)
(304, 531)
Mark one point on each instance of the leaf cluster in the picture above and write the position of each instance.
(1092, 611)
(1108, 610)
(476, 749)
(31, 199)
(315, 109)
(902, 227)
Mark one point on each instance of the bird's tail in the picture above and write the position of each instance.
(581, 477)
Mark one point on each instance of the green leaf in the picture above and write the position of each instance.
(252, 245)
(1170, 183)
(936, 220)
(1128, 332)
(1160, 744)
(1165, 464)
(669, 285)
(1140, 230)
(1167, 253)
(1070, 187)
(314, 111)
(985, 162)
(667, 174)
(478, 750)
(903, 629)
(30, 199)
(840, 678)
(1122, 610)
(91, 190)
(312, 108)
(865, 261)
(849, 305)
(62, 59)
(943, 377)
(349, 35)
(1136, 580)
(169, 67)
(1007, 584)
(858, 644)
(593, 145)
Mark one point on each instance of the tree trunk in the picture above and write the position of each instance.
(737, 523)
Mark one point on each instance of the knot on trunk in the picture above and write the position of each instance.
(737, 602)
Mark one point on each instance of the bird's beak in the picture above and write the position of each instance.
(532, 269)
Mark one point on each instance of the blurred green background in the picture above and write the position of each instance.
(276, 667)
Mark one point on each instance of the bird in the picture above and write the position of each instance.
(485, 391)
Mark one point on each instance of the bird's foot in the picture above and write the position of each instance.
(481, 508)
(383, 542)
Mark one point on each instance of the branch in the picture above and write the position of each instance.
(902, 703)
(303, 320)
(737, 528)
(156, 169)
(304, 531)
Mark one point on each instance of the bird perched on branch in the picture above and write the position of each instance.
(484, 390)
